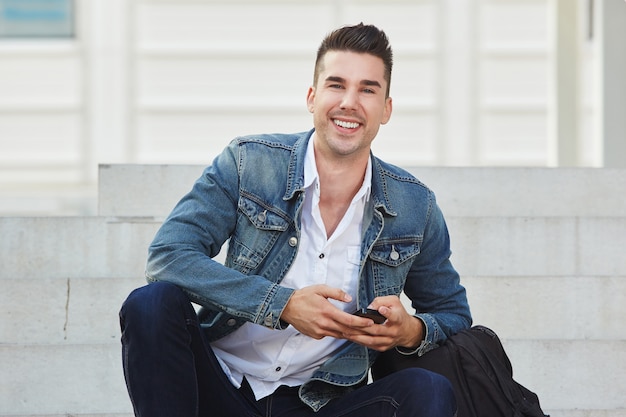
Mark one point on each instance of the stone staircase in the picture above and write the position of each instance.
(540, 252)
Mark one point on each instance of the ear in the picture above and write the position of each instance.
(310, 99)
(387, 111)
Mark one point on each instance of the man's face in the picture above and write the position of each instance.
(348, 103)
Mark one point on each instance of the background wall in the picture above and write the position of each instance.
(475, 83)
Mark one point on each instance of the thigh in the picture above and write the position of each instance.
(169, 366)
(217, 396)
(407, 393)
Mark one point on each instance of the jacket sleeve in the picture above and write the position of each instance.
(433, 285)
(193, 234)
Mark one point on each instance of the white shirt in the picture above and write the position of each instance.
(271, 358)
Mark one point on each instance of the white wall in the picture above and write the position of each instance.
(164, 81)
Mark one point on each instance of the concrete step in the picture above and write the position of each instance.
(63, 311)
(539, 251)
(489, 191)
(544, 308)
(538, 246)
(84, 311)
(572, 375)
(63, 380)
(85, 247)
(96, 247)
(562, 275)
(87, 378)
(153, 190)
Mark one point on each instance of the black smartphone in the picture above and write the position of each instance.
(370, 314)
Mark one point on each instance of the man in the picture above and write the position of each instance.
(317, 228)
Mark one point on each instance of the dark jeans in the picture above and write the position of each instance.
(171, 371)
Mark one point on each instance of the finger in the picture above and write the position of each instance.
(352, 321)
(390, 307)
(387, 301)
(335, 293)
(380, 343)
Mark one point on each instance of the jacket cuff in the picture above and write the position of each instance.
(277, 300)
(428, 344)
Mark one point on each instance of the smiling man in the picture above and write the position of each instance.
(349, 102)
(317, 229)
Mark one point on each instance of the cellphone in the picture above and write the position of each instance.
(370, 314)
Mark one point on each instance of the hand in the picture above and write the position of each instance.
(400, 328)
(311, 313)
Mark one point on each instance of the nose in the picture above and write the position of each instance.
(350, 99)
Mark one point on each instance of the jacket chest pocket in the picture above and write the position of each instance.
(391, 260)
(258, 228)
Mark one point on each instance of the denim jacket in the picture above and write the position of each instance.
(251, 196)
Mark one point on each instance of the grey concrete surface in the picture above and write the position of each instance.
(539, 251)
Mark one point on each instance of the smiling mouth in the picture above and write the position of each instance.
(346, 125)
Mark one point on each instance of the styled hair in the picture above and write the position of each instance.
(367, 39)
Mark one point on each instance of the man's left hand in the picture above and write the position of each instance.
(400, 328)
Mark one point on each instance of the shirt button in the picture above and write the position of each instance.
(278, 368)
(321, 256)
(293, 241)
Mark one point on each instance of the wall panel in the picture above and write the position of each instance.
(174, 81)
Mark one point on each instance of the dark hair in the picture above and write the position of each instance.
(360, 38)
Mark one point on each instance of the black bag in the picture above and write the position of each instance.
(480, 372)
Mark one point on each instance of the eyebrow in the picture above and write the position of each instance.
(371, 83)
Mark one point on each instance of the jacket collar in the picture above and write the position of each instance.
(295, 176)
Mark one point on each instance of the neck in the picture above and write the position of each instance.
(337, 189)
(340, 181)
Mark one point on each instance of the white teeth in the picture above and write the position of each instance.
(346, 125)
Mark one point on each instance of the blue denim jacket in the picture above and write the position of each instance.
(251, 196)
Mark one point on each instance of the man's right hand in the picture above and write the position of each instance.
(311, 313)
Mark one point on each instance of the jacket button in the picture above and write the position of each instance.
(394, 255)
(231, 322)
(293, 241)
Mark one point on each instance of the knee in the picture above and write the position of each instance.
(151, 301)
(439, 384)
(429, 392)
